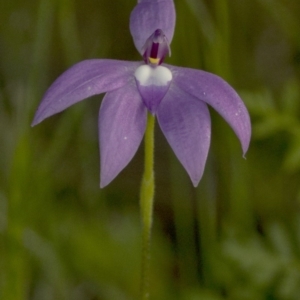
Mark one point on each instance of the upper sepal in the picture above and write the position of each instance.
(84, 79)
(150, 15)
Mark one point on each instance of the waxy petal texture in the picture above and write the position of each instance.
(85, 79)
(185, 122)
(122, 124)
(216, 92)
(149, 15)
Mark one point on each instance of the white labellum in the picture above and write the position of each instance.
(159, 76)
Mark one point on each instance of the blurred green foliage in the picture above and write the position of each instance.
(237, 236)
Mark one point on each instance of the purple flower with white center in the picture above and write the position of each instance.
(177, 96)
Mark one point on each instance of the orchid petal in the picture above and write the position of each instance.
(185, 122)
(149, 15)
(220, 95)
(84, 79)
(122, 124)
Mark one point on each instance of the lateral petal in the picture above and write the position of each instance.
(122, 124)
(84, 79)
(185, 122)
(149, 15)
(220, 95)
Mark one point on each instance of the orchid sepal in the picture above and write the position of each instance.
(216, 92)
(83, 80)
(150, 15)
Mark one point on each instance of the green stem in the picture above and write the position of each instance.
(146, 202)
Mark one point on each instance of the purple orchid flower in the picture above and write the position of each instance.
(177, 96)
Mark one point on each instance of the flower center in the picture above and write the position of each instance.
(153, 83)
(147, 75)
(156, 48)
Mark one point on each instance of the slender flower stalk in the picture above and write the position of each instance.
(146, 203)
